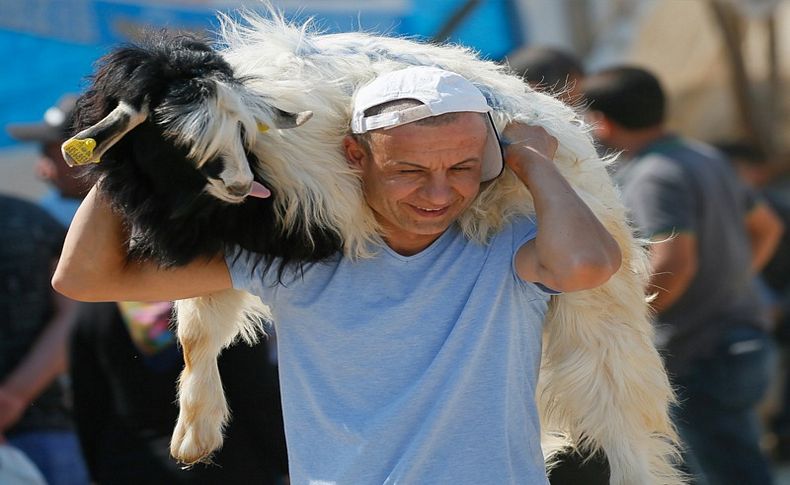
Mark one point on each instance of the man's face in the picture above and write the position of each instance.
(419, 178)
(603, 131)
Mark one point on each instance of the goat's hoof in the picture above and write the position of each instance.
(194, 443)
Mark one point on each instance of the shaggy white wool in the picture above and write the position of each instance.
(602, 383)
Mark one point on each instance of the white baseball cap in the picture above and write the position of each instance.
(440, 92)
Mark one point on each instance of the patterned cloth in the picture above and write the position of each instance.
(148, 324)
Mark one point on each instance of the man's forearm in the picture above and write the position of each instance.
(573, 250)
(45, 360)
(673, 263)
(765, 230)
(93, 265)
(94, 249)
(666, 288)
(570, 235)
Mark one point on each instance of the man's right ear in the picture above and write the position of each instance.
(601, 125)
(355, 152)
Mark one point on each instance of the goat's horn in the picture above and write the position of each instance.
(284, 119)
(90, 144)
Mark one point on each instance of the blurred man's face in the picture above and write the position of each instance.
(53, 169)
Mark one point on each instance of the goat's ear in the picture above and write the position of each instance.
(90, 144)
(284, 119)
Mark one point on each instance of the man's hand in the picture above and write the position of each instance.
(11, 409)
(526, 145)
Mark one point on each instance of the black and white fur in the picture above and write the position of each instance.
(181, 176)
(175, 133)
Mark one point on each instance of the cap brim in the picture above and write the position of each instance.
(493, 157)
(40, 132)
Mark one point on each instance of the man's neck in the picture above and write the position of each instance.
(409, 244)
(636, 141)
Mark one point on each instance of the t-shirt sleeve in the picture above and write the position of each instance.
(662, 203)
(751, 198)
(524, 232)
(248, 272)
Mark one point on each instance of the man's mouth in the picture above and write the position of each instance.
(430, 211)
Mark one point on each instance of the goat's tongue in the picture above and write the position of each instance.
(258, 190)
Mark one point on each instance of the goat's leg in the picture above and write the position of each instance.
(206, 325)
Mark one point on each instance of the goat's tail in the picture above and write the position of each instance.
(206, 325)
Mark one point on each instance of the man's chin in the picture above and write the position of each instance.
(430, 228)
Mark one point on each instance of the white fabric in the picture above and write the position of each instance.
(17, 469)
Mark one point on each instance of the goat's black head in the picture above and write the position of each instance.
(188, 93)
(174, 130)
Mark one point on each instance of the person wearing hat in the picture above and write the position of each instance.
(34, 412)
(67, 188)
(415, 365)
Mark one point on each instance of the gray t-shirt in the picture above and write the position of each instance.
(418, 369)
(677, 186)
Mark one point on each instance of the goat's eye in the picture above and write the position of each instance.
(247, 140)
(213, 168)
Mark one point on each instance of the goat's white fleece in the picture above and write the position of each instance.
(602, 383)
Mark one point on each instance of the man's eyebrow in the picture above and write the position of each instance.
(417, 165)
(468, 160)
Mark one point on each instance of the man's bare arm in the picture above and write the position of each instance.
(765, 230)
(40, 365)
(673, 262)
(93, 266)
(572, 251)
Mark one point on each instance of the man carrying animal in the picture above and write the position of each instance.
(418, 364)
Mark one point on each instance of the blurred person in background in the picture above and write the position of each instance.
(34, 328)
(760, 173)
(754, 168)
(550, 70)
(125, 364)
(34, 320)
(709, 236)
(66, 185)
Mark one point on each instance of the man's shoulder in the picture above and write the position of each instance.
(15, 205)
(519, 227)
(655, 166)
(678, 155)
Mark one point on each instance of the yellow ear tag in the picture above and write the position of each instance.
(81, 151)
(263, 127)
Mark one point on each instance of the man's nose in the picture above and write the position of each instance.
(437, 189)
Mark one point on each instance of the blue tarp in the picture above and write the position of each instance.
(49, 46)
